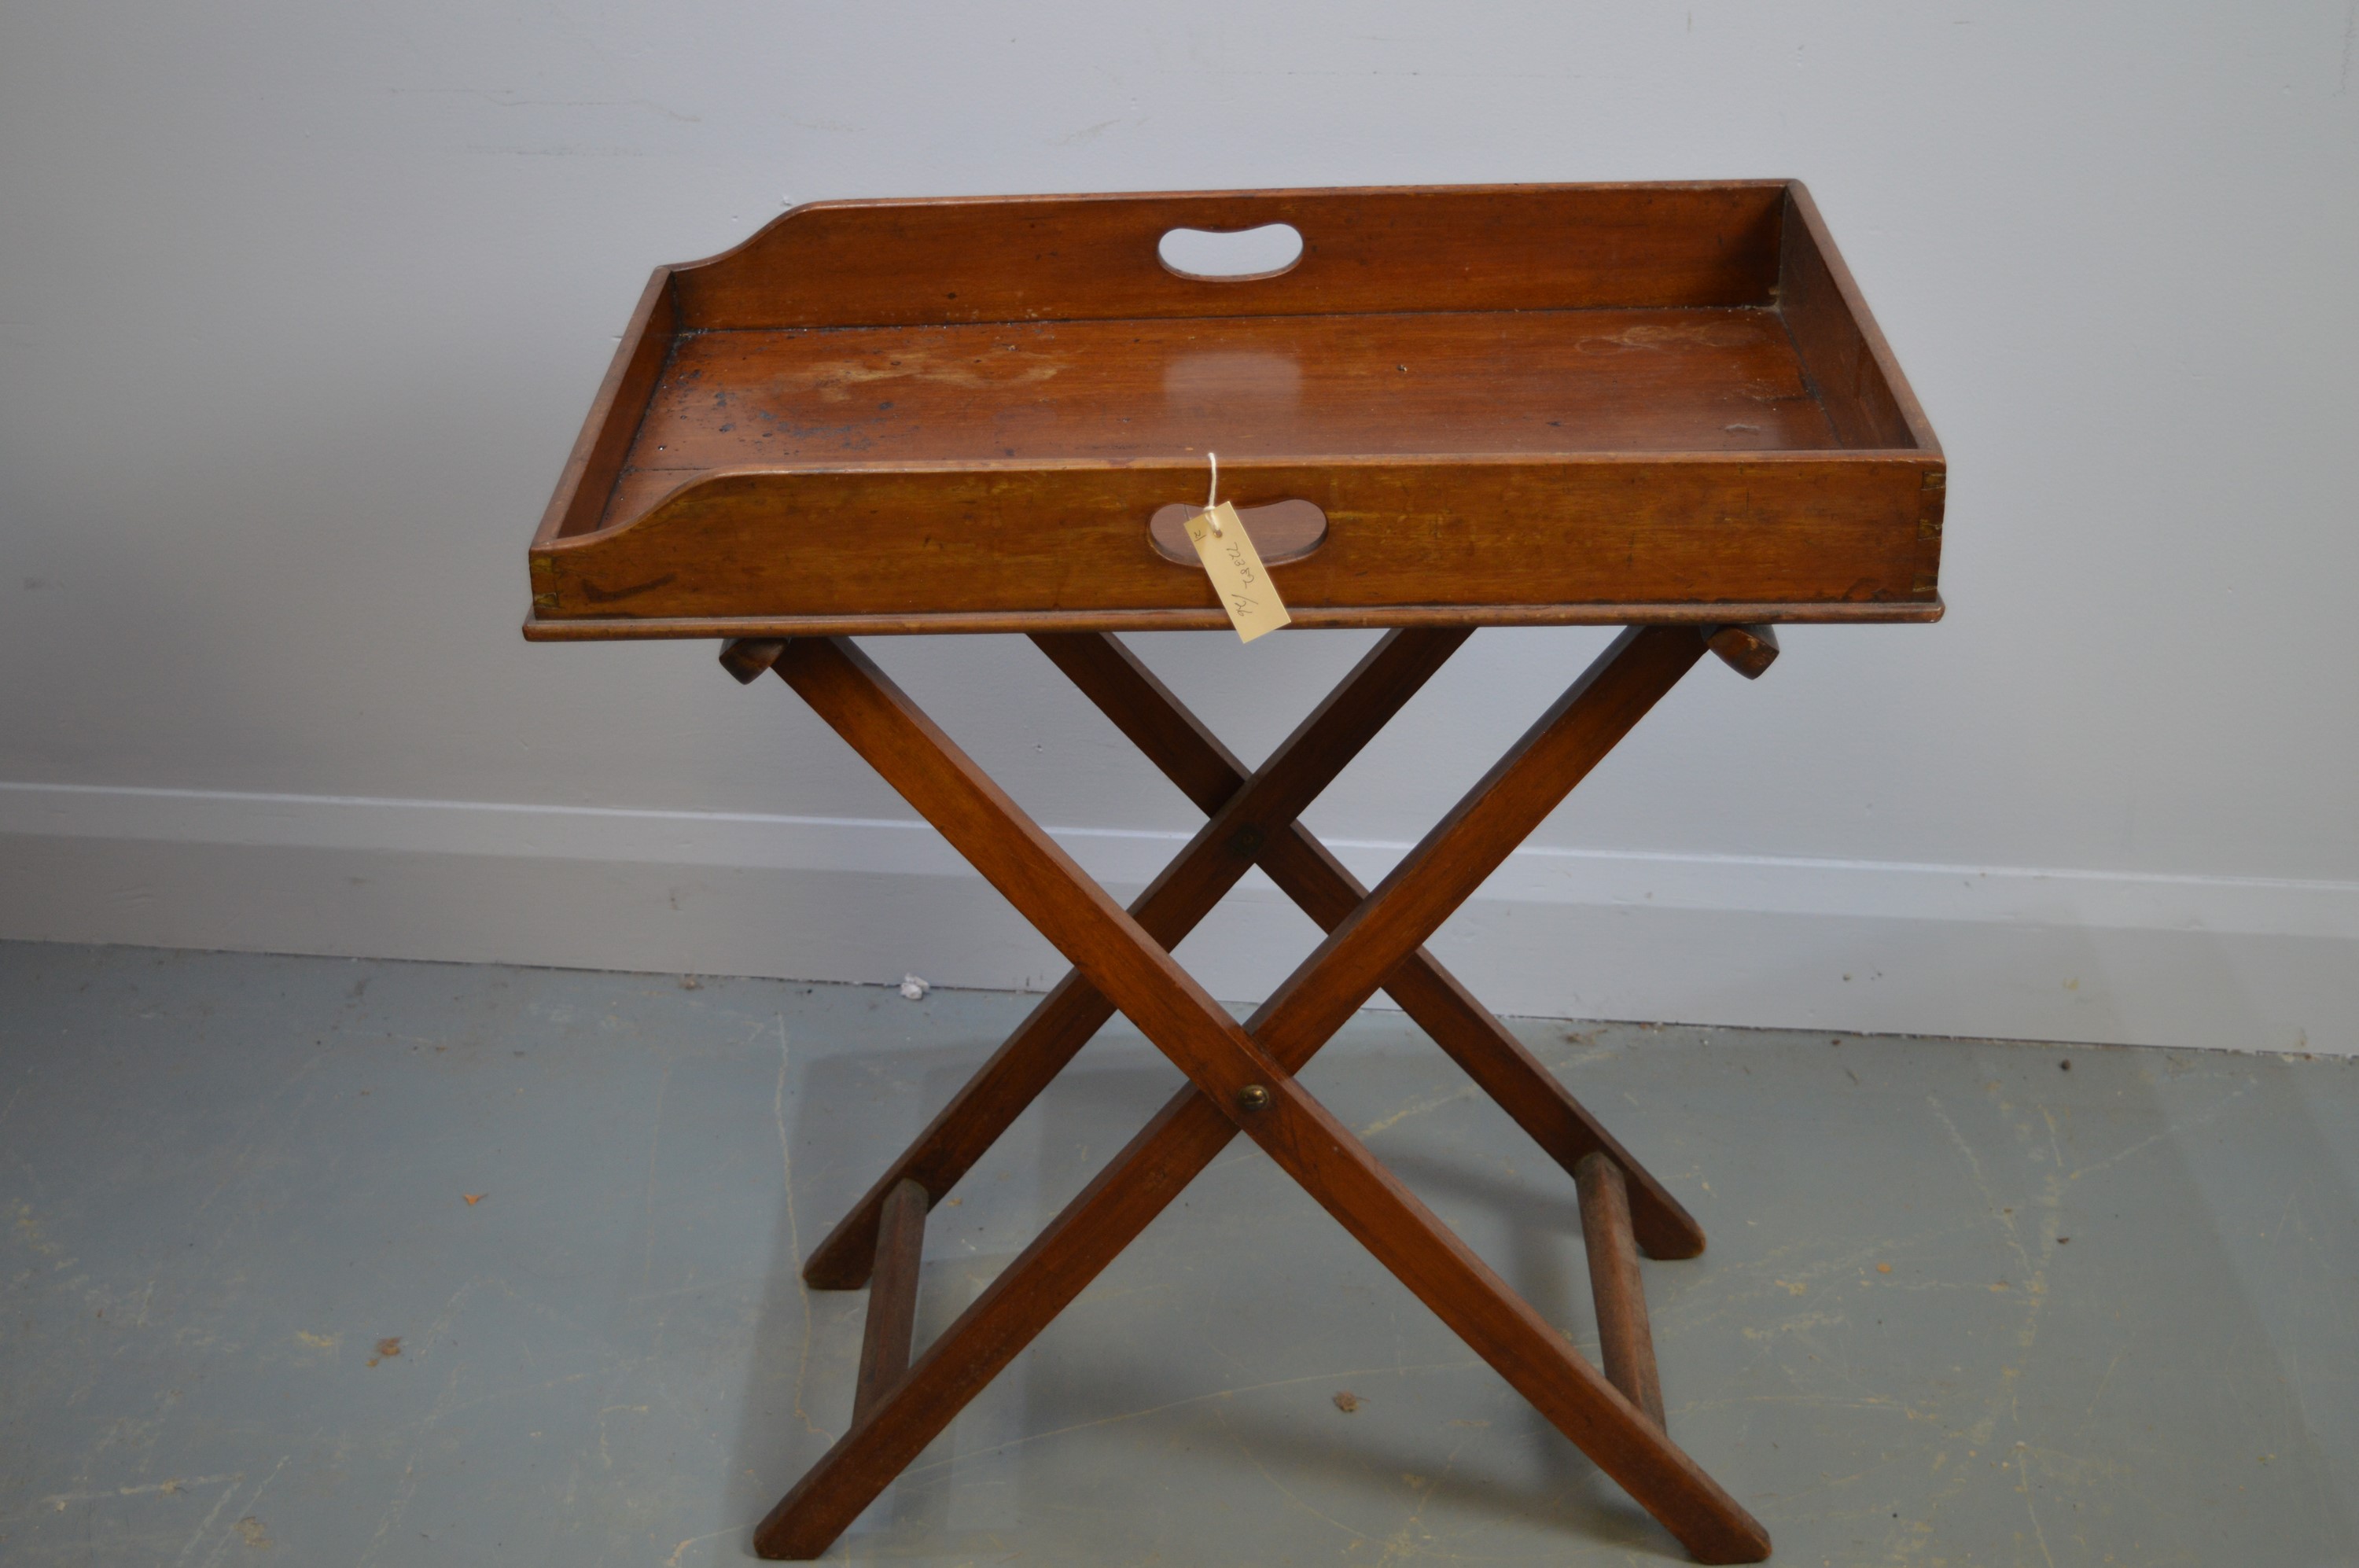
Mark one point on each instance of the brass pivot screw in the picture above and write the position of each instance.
(1252, 1097)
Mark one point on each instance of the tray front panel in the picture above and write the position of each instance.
(1071, 538)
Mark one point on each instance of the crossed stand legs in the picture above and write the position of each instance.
(1242, 1078)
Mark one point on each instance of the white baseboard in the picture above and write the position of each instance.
(2249, 964)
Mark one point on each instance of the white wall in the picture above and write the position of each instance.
(300, 306)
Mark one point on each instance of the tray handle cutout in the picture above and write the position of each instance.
(1281, 531)
(1231, 255)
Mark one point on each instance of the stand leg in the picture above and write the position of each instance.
(1243, 811)
(1244, 1081)
(1625, 1343)
(892, 1297)
(1143, 709)
(1072, 1012)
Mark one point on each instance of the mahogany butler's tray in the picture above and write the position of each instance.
(1515, 404)
(1638, 404)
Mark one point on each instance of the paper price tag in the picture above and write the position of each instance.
(1238, 576)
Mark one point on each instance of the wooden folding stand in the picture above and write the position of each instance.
(1580, 351)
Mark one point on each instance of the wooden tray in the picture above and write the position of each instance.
(1491, 405)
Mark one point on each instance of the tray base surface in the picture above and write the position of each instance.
(1523, 382)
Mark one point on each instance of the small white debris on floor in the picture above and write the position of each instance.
(914, 988)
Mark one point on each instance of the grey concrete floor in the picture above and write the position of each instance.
(315, 1261)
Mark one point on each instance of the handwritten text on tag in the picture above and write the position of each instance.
(1238, 576)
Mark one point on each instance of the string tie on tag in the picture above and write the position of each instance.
(1212, 495)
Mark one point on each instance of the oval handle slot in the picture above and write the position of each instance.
(1281, 531)
(1236, 255)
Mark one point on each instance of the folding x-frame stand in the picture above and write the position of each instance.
(1242, 1077)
